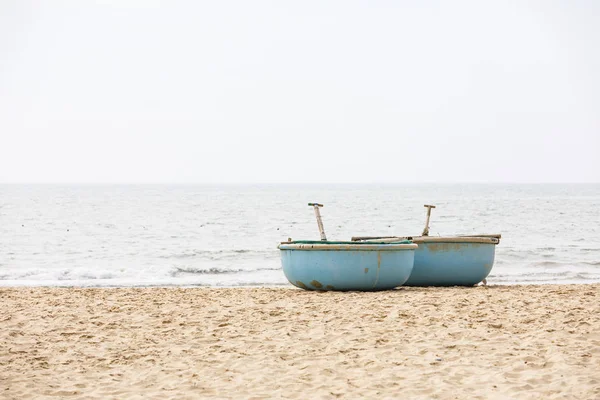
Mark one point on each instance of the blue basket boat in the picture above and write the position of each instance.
(447, 261)
(325, 265)
(452, 261)
(330, 265)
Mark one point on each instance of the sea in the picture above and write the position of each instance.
(227, 235)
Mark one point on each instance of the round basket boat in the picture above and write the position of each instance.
(327, 265)
(452, 261)
(449, 260)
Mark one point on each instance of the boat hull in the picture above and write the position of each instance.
(451, 263)
(362, 267)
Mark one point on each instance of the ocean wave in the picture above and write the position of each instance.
(20, 274)
(59, 274)
(186, 277)
(558, 264)
(161, 273)
(517, 253)
(178, 270)
(533, 277)
(532, 274)
(593, 263)
(548, 264)
(219, 254)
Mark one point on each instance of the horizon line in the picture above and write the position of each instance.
(294, 183)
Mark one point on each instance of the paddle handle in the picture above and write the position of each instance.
(316, 207)
(426, 229)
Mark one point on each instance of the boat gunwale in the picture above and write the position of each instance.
(348, 247)
(439, 239)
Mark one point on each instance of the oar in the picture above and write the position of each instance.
(426, 230)
(319, 222)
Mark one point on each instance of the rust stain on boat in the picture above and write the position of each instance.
(316, 284)
(378, 269)
(435, 247)
(301, 284)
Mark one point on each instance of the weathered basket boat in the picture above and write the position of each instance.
(447, 261)
(328, 265)
(363, 266)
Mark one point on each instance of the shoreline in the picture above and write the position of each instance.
(489, 342)
(276, 285)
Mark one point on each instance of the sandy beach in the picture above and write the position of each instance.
(494, 342)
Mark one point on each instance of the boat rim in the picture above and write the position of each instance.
(349, 247)
(435, 239)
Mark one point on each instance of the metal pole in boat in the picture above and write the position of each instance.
(426, 230)
(319, 222)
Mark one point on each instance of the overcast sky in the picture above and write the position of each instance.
(303, 91)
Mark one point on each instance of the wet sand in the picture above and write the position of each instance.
(494, 342)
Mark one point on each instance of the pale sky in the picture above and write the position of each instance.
(299, 92)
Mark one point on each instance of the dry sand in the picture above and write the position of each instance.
(499, 342)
